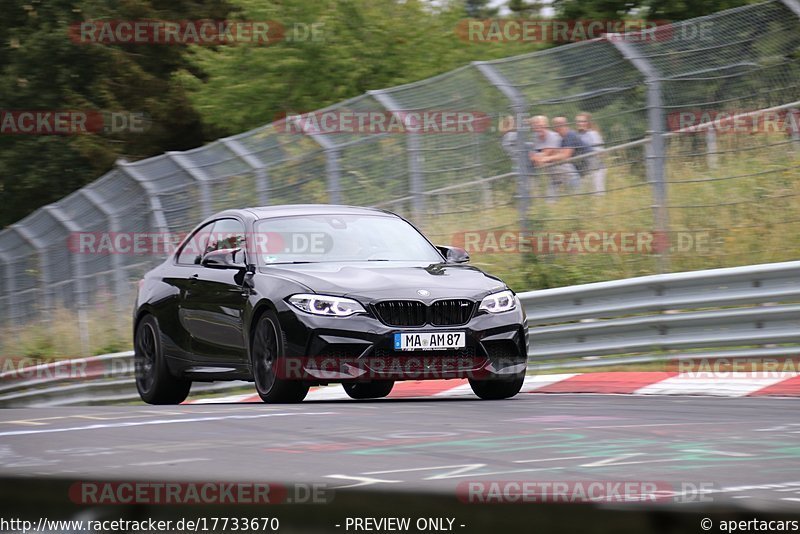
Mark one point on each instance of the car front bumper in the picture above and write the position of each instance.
(321, 350)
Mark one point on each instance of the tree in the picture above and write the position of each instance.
(362, 47)
(670, 10)
(524, 9)
(479, 9)
(43, 69)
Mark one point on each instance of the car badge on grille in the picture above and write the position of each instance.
(423, 293)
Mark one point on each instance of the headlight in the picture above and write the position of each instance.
(325, 305)
(499, 302)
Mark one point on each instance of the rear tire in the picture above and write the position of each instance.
(154, 381)
(497, 388)
(369, 390)
(266, 353)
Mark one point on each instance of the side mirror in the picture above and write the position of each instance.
(226, 258)
(454, 254)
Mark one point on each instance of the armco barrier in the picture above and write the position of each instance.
(740, 312)
(646, 96)
(108, 379)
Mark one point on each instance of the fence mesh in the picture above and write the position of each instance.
(723, 195)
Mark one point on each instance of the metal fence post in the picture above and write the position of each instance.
(199, 176)
(10, 289)
(793, 114)
(656, 130)
(416, 180)
(793, 5)
(78, 288)
(711, 148)
(157, 212)
(333, 168)
(116, 259)
(44, 281)
(260, 169)
(520, 107)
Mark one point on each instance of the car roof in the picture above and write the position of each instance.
(266, 212)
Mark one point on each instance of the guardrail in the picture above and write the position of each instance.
(739, 312)
(95, 380)
(751, 311)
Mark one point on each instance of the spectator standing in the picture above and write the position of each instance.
(593, 140)
(508, 127)
(544, 147)
(569, 145)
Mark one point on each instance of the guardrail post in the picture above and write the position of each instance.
(120, 288)
(415, 158)
(520, 107)
(156, 211)
(656, 131)
(79, 277)
(258, 166)
(199, 176)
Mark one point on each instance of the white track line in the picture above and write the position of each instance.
(103, 426)
(722, 385)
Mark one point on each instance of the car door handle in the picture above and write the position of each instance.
(194, 278)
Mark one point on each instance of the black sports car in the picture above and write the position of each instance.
(301, 295)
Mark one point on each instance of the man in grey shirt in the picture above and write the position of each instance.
(546, 150)
(591, 138)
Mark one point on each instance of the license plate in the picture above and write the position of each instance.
(429, 341)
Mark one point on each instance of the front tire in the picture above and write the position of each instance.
(497, 388)
(155, 383)
(369, 390)
(267, 354)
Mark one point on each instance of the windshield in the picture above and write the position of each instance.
(340, 238)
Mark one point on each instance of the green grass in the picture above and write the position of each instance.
(58, 336)
(749, 207)
(746, 212)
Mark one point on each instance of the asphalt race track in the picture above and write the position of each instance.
(740, 449)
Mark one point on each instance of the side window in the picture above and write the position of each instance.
(227, 233)
(193, 250)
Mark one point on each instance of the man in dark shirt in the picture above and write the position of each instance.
(571, 145)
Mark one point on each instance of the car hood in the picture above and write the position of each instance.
(380, 280)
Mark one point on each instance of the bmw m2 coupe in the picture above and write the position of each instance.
(295, 296)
